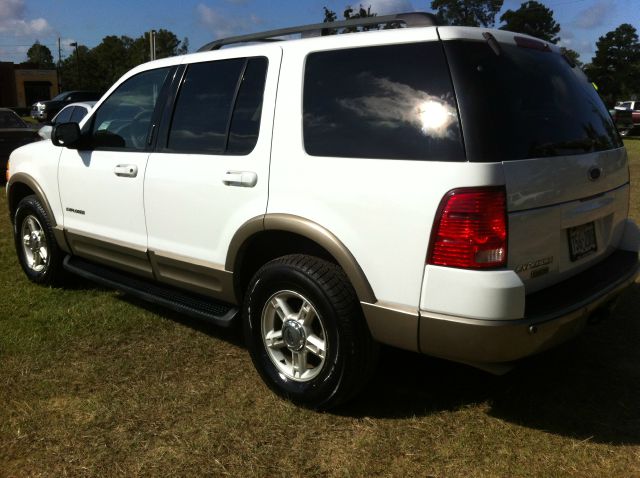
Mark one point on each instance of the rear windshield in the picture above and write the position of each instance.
(525, 103)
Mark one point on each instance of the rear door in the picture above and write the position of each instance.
(210, 172)
(523, 104)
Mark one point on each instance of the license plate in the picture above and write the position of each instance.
(582, 241)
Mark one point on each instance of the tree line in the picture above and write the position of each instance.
(98, 68)
(615, 67)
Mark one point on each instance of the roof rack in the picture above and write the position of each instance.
(413, 19)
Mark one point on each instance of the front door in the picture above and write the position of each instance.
(101, 187)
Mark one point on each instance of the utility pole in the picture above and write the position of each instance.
(152, 45)
(59, 65)
(75, 44)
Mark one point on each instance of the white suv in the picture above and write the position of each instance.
(459, 192)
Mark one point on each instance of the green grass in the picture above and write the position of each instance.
(93, 383)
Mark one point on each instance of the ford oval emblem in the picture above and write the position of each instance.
(595, 173)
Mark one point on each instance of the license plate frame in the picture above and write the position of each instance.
(582, 241)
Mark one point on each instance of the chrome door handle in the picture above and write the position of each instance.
(244, 179)
(126, 170)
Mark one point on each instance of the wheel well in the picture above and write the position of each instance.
(17, 192)
(266, 246)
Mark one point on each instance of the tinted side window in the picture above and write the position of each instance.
(392, 102)
(79, 112)
(64, 116)
(203, 107)
(245, 123)
(124, 119)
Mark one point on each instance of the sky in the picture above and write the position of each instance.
(22, 22)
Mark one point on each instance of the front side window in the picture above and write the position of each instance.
(218, 107)
(124, 119)
(385, 102)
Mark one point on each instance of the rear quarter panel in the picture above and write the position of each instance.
(381, 210)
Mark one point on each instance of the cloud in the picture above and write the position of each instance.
(13, 21)
(226, 24)
(595, 15)
(387, 7)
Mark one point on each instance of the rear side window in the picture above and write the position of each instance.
(218, 107)
(525, 103)
(385, 102)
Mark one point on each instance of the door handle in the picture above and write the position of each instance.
(244, 179)
(126, 170)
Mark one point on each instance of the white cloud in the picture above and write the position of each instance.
(13, 21)
(387, 7)
(595, 15)
(224, 25)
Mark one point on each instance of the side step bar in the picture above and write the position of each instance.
(193, 305)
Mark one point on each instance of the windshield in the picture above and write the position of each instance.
(525, 103)
(60, 97)
(8, 119)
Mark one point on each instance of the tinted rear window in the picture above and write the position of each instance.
(525, 103)
(391, 102)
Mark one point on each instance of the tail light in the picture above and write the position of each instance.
(470, 229)
(7, 174)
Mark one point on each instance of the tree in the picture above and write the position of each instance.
(98, 68)
(532, 18)
(40, 55)
(572, 55)
(468, 13)
(615, 68)
(348, 14)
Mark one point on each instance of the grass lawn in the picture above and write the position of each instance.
(94, 383)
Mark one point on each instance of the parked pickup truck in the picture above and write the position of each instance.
(634, 107)
(623, 120)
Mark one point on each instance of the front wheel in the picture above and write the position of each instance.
(305, 331)
(38, 252)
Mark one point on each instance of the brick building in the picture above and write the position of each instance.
(23, 84)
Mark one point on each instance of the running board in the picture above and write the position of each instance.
(193, 305)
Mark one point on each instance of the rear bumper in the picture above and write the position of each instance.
(552, 316)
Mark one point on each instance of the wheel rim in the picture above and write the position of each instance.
(294, 336)
(34, 244)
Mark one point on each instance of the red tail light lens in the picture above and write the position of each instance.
(470, 229)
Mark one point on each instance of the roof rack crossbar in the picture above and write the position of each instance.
(413, 19)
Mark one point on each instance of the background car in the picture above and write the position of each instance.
(13, 133)
(70, 113)
(623, 120)
(633, 107)
(44, 110)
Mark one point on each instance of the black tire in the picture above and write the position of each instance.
(350, 352)
(51, 273)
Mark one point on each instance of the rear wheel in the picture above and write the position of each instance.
(38, 252)
(305, 331)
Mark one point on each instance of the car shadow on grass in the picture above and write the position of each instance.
(587, 389)
(232, 335)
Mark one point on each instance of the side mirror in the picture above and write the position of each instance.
(65, 134)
